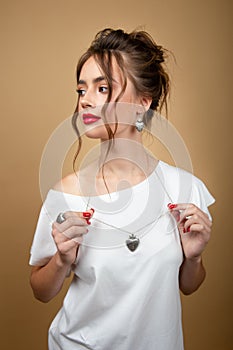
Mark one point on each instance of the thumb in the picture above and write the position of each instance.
(176, 215)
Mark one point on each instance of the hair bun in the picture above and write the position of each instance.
(159, 54)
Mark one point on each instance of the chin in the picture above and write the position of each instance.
(96, 133)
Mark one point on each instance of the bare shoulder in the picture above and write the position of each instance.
(69, 184)
(81, 183)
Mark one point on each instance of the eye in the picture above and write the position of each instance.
(80, 92)
(103, 89)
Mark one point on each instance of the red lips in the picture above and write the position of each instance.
(89, 118)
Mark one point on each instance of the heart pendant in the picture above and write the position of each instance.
(139, 125)
(132, 242)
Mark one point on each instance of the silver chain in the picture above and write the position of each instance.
(123, 230)
(164, 188)
(142, 228)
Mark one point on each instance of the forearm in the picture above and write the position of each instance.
(192, 274)
(47, 281)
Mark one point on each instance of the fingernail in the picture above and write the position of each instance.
(88, 221)
(188, 230)
(172, 206)
(184, 230)
(86, 214)
(92, 210)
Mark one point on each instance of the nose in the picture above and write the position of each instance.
(87, 101)
(86, 104)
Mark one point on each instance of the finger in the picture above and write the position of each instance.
(90, 211)
(75, 231)
(189, 209)
(77, 239)
(180, 206)
(67, 246)
(59, 238)
(198, 228)
(62, 238)
(87, 215)
(189, 225)
(73, 220)
(74, 214)
(176, 215)
(82, 215)
(63, 216)
(196, 217)
(199, 218)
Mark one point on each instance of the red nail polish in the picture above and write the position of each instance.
(184, 230)
(188, 230)
(86, 214)
(92, 210)
(172, 206)
(88, 221)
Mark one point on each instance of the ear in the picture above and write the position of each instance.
(146, 102)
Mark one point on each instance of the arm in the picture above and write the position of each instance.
(195, 228)
(192, 275)
(46, 281)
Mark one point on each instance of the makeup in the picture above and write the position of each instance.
(89, 118)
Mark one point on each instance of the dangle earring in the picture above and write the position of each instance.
(139, 124)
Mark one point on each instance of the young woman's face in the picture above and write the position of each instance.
(93, 91)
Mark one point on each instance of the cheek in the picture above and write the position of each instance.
(126, 113)
(78, 107)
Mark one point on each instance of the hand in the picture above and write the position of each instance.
(68, 235)
(194, 226)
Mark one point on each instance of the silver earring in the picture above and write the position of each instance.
(139, 125)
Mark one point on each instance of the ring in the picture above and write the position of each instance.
(61, 218)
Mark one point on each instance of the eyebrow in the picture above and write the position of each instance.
(96, 80)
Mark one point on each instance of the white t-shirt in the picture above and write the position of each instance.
(121, 299)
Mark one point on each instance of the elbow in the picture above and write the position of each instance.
(41, 298)
(191, 276)
(190, 288)
(38, 293)
(187, 290)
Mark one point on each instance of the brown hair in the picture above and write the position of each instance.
(140, 59)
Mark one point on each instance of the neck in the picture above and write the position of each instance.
(122, 157)
(119, 165)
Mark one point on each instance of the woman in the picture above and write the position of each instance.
(131, 228)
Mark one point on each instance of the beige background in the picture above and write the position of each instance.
(40, 44)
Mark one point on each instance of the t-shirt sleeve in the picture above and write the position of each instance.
(43, 246)
(184, 187)
(201, 196)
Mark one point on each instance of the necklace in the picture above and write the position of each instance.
(133, 241)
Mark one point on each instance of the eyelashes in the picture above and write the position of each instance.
(102, 89)
(80, 92)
